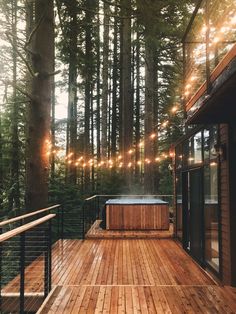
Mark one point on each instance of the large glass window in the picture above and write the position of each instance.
(211, 215)
(195, 149)
(199, 153)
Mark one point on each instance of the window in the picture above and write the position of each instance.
(211, 206)
(195, 149)
(211, 215)
(179, 206)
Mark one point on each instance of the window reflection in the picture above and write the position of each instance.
(211, 215)
(195, 149)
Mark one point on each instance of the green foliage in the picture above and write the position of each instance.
(110, 182)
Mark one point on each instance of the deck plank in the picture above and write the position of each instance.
(129, 276)
(96, 232)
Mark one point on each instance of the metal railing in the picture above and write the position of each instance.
(25, 265)
(94, 205)
(210, 35)
(57, 226)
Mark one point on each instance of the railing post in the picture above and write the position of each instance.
(48, 260)
(62, 222)
(98, 205)
(22, 272)
(83, 222)
(0, 274)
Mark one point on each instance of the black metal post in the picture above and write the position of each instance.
(48, 260)
(98, 205)
(83, 222)
(22, 272)
(62, 222)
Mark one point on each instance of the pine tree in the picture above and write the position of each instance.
(40, 106)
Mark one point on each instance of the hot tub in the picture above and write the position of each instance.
(137, 214)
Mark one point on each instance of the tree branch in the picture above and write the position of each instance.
(34, 30)
(19, 89)
(20, 55)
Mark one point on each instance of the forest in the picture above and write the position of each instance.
(90, 98)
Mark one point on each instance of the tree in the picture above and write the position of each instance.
(40, 106)
(104, 141)
(126, 97)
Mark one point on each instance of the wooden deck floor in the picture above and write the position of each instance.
(130, 276)
(96, 232)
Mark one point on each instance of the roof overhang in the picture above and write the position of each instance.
(218, 106)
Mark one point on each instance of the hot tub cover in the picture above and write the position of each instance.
(135, 201)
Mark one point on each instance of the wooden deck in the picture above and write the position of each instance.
(130, 276)
(96, 232)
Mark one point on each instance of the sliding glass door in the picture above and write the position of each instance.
(193, 213)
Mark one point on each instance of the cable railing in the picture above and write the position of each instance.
(25, 265)
(57, 227)
(209, 42)
(93, 207)
(26, 242)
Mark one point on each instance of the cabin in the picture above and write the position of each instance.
(205, 157)
(156, 253)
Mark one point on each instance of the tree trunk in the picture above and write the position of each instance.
(104, 143)
(98, 122)
(72, 95)
(88, 87)
(114, 86)
(53, 139)
(148, 118)
(156, 176)
(127, 108)
(1, 161)
(14, 193)
(72, 118)
(40, 107)
(137, 110)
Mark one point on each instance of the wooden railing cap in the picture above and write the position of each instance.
(15, 219)
(12, 233)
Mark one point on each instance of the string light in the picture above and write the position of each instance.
(193, 78)
(165, 123)
(233, 20)
(213, 164)
(216, 40)
(130, 151)
(152, 136)
(187, 93)
(174, 109)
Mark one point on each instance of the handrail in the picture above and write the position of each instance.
(10, 234)
(221, 66)
(15, 219)
(126, 195)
